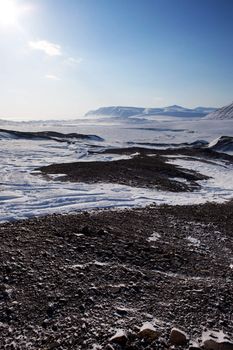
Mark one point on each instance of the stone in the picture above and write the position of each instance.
(193, 345)
(119, 338)
(5, 292)
(178, 337)
(149, 332)
(212, 340)
(121, 311)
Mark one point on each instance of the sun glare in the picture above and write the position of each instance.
(9, 13)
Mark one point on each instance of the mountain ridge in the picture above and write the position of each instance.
(225, 112)
(128, 111)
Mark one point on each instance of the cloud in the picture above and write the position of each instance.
(52, 77)
(52, 49)
(47, 47)
(73, 61)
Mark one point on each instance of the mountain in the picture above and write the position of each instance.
(125, 112)
(205, 110)
(222, 113)
(116, 111)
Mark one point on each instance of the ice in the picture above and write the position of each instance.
(25, 193)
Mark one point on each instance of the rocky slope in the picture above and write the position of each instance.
(95, 280)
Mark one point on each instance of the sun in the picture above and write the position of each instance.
(9, 13)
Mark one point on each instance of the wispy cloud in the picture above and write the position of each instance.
(52, 77)
(47, 47)
(73, 61)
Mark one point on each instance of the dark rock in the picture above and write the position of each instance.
(149, 332)
(178, 337)
(119, 338)
(213, 340)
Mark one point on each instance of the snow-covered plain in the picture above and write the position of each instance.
(25, 193)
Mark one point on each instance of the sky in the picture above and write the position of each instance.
(61, 58)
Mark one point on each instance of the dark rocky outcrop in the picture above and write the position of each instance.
(46, 135)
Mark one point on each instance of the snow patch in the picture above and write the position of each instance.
(194, 241)
(154, 237)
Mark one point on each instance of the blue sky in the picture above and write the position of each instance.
(60, 58)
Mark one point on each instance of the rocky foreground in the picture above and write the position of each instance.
(151, 278)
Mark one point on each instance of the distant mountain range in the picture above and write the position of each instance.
(125, 112)
(141, 112)
(222, 113)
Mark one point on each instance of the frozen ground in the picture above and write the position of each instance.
(24, 194)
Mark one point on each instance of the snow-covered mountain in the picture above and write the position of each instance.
(116, 111)
(222, 113)
(176, 111)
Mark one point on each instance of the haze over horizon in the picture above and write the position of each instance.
(61, 59)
